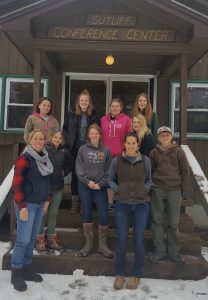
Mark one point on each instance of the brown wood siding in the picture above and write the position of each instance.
(200, 70)
(162, 100)
(8, 154)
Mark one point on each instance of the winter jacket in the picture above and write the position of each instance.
(63, 162)
(147, 144)
(170, 169)
(131, 181)
(28, 183)
(35, 121)
(71, 128)
(92, 164)
(113, 132)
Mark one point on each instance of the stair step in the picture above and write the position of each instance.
(195, 267)
(74, 239)
(65, 220)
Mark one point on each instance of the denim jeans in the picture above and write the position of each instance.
(139, 214)
(99, 197)
(49, 219)
(27, 232)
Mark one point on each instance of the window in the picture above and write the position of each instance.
(19, 101)
(197, 108)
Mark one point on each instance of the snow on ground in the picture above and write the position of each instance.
(82, 287)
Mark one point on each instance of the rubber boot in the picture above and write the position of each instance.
(41, 242)
(30, 275)
(52, 242)
(102, 246)
(18, 281)
(89, 239)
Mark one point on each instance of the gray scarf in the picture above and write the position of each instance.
(44, 164)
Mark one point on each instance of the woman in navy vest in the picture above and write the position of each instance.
(31, 199)
(130, 179)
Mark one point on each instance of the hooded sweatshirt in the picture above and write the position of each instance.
(92, 164)
(114, 131)
(36, 121)
(170, 169)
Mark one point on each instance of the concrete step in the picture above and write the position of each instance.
(73, 238)
(195, 267)
(65, 220)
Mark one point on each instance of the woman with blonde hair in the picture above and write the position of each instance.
(143, 106)
(75, 129)
(146, 139)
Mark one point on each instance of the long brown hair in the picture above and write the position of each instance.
(37, 109)
(78, 110)
(147, 112)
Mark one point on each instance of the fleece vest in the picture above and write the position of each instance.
(131, 180)
(36, 188)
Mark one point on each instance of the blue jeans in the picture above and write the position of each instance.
(87, 197)
(27, 232)
(139, 214)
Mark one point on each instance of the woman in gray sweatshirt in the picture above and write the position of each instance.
(92, 163)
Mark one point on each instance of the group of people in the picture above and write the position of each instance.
(115, 162)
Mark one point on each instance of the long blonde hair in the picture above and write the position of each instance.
(78, 110)
(143, 127)
(147, 112)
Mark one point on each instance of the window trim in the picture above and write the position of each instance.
(6, 79)
(172, 91)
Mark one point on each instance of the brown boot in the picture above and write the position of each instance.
(132, 283)
(102, 246)
(75, 208)
(119, 282)
(53, 242)
(41, 242)
(89, 239)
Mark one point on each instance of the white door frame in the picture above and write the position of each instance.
(108, 78)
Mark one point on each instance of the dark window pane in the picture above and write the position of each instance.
(17, 116)
(22, 92)
(127, 92)
(97, 90)
(197, 122)
(197, 98)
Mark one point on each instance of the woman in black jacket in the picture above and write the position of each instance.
(75, 129)
(63, 163)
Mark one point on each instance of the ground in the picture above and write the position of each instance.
(83, 287)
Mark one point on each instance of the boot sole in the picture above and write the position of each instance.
(107, 256)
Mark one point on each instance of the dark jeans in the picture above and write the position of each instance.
(74, 180)
(99, 197)
(27, 232)
(139, 214)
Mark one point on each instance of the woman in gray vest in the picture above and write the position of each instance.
(130, 179)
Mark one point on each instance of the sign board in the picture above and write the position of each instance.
(111, 20)
(111, 34)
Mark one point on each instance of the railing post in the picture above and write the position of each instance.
(183, 99)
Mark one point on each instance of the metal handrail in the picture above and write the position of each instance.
(6, 192)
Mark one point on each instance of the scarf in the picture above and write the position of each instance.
(45, 166)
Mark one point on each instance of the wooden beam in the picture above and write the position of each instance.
(183, 99)
(47, 63)
(170, 67)
(37, 77)
(153, 48)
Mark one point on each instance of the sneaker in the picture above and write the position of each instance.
(177, 258)
(133, 283)
(156, 256)
(110, 206)
(41, 242)
(119, 282)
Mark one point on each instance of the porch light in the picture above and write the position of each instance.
(109, 60)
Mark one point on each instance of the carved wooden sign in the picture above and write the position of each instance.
(111, 34)
(111, 20)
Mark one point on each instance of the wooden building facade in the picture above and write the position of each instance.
(59, 47)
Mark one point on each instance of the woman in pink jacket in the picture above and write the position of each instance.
(114, 127)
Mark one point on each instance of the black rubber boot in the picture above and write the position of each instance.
(18, 281)
(30, 275)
